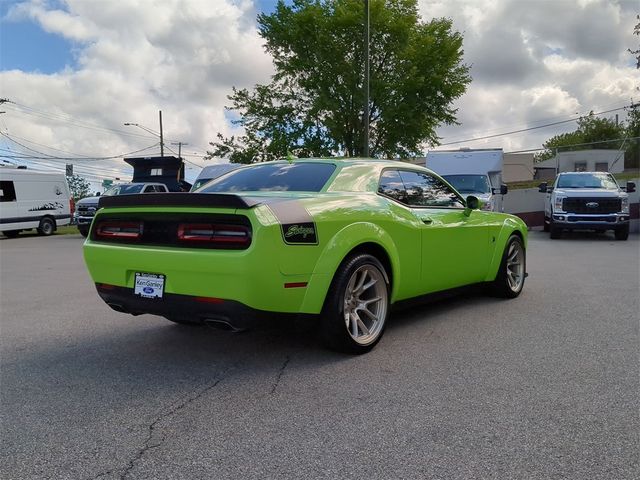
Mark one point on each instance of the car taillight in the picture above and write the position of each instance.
(214, 233)
(119, 230)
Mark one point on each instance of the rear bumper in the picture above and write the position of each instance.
(574, 221)
(187, 307)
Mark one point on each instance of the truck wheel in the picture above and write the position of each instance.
(554, 232)
(47, 227)
(622, 233)
(510, 277)
(356, 308)
(11, 233)
(545, 225)
(84, 231)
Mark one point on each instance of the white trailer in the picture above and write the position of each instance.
(472, 172)
(33, 199)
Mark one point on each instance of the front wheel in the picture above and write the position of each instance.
(622, 233)
(554, 232)
(47, 227)
(356, 308)
(510, 278)
(84, 231)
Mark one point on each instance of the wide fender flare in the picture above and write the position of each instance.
(343, 242)
(509, 226)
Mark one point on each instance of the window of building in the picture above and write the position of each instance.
(602, 167)
(156, 172)
(580, 167)
(7, 191)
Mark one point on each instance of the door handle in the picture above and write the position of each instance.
(427, 220)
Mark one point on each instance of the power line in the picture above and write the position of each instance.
(527, 129)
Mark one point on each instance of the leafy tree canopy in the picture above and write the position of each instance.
(78, 186)
(592, 132)
(315, 102)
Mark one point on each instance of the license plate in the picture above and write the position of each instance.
(149, 285)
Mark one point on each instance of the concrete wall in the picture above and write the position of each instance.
(528, 204)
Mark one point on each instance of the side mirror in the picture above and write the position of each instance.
(631, 187)
(473, 203)
(502, 190)
(542, 188)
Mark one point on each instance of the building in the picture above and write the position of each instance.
(597, 160)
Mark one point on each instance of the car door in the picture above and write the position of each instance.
(455, 244)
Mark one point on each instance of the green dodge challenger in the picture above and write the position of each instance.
(342, 240)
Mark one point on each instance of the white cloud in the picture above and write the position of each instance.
(134, 58)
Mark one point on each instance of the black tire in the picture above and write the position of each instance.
(622, 233)
(512, 270)
(47, 226)
(545, 225)
(364, 330)
(11, 233)
(554, 232)
(84, 231)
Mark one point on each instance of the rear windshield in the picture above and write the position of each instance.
(275, 177)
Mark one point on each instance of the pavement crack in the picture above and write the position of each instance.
(154, 439)
(280, 373)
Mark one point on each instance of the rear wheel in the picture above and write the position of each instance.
(510, 278)
(47, 226)
(355, 311)
(11, 233)
(622, 233)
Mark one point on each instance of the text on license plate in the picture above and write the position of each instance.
(149, 285)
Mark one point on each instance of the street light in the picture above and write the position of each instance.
(130, 124)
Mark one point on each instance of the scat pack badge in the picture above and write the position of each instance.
(303, 233)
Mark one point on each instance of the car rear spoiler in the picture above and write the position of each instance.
(182, 199)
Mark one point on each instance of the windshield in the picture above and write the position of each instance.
(587, 180)
(469, 183)
(275, 177)
(123, 189)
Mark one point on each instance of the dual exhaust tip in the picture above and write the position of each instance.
(218, 323)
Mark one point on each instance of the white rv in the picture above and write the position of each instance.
(33, 199)
(472, 172)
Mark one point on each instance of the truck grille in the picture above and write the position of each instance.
(85, 211)
(591, 205)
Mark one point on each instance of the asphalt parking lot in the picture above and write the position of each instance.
(544, 386)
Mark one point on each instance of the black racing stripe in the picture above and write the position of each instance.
(297, 225)
(31, 219)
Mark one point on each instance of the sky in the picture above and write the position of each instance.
(75, 71)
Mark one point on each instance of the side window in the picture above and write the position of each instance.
(391, 185)
(161, 188)
(7, 191)
(423, 190)
(149, 189)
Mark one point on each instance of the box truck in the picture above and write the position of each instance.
(472, 172)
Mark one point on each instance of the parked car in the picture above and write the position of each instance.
(210, 172)
(341, 240)
(33, 199)
(586, 201)
(87, 207)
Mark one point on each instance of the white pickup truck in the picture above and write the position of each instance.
(586, 201)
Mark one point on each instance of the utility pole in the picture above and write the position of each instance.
(179, 147)
(366, 79)
(161, 138)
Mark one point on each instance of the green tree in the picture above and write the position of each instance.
(314, 105)
(78, 186)
(592, 132)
